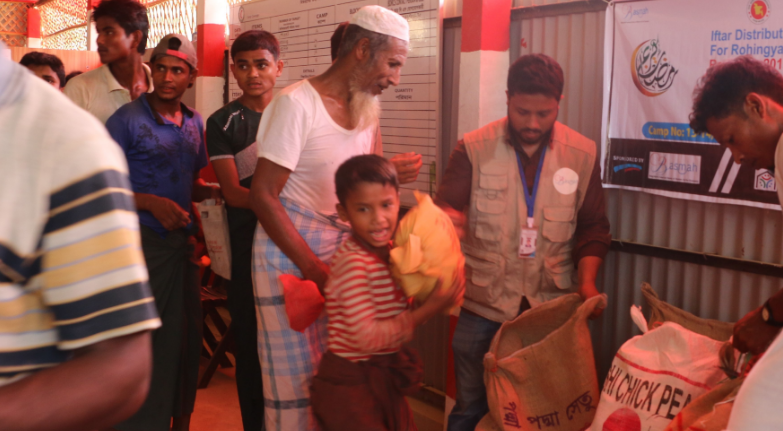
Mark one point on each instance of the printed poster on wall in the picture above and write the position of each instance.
(660, 50)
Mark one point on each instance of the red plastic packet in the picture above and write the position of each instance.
(303, 302)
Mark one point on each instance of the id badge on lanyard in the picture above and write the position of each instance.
(529, 233)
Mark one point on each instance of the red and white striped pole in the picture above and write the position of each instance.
(484, 62)
(210, 44)
(33, 28)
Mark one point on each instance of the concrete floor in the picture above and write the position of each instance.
(217, 407)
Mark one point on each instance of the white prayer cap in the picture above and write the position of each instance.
(383, 21)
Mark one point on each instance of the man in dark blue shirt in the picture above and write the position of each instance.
(164, 145)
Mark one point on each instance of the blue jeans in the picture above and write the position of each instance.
(471, 341)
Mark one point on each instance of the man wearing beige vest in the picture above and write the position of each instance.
(526, 191)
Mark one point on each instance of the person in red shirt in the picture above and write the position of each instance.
(369, 315)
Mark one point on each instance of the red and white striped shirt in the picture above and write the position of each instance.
(368, 311)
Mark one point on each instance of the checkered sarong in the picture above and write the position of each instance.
(289, 359)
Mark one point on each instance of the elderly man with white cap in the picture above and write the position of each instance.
(308, 130)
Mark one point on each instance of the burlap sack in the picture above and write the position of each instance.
(664, 312)
(540, 372)
(709, 412)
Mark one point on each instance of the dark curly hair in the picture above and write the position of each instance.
(129, 14)
(36, 58)
(252, 40)
(368, 168)
(723, 89)
(535, 74)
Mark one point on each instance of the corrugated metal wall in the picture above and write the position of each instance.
(528, 3)
(576, 41)
(453, 8)
(452, 41)
(431, 339)
(727, 230)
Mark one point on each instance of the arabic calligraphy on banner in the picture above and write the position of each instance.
(653, 74)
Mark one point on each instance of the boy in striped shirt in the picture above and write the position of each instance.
(363, 377)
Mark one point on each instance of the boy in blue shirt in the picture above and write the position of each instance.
(163, 143)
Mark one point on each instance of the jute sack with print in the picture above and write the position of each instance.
(540, 372)
(709, 412)
(661, 312)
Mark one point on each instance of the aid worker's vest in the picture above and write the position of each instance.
(496, 277)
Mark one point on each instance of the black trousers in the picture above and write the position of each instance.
(176, 345)
(241, 307)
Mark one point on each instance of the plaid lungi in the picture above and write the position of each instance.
(289, 359)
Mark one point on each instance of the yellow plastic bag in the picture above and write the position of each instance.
(426, 248)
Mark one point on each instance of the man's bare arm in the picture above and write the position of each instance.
(104, 384)
(268, 182)
(203, 191)
(588, 272)
(226, 172)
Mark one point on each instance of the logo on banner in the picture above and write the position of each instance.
(650, 68)
(679, 168)
(758, 11)
(241, 14)
(628, 167)
(765, 181)
(633, 14)
(724, 164)
(628, 164)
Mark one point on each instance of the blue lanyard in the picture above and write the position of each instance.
(530, 199)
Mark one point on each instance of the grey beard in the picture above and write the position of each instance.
(364, 108)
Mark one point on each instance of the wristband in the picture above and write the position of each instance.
(769, 319)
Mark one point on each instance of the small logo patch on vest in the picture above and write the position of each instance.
(566, 181)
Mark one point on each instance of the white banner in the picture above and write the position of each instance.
(660, 49)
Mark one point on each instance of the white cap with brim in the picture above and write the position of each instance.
(383, 21)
